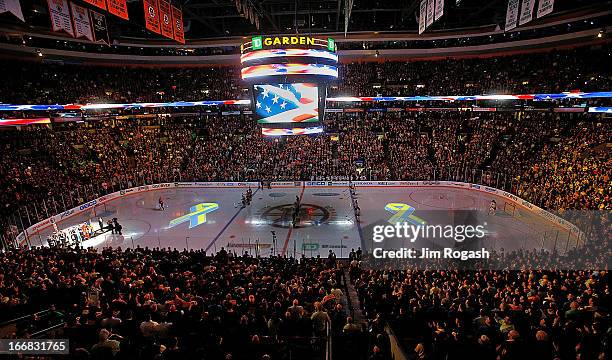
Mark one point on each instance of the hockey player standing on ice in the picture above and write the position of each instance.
(161, 203)
(249, 196)
(492, 207)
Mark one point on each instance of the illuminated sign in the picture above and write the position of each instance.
(261, 42)
(403, 213)
(287, 40)
(331, 44)
(197, 215)
(257, 43)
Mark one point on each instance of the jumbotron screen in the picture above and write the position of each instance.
(291, 69)
(286, 103)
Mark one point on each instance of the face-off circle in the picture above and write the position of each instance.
(281, 216)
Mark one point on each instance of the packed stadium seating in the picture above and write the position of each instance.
(550, 72)
(558, 166)
(484, 315)
(169, 304)
(243, 307)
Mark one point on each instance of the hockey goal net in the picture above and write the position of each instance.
(509, 209)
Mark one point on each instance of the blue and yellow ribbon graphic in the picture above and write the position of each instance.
(403, 213)
(196, 216)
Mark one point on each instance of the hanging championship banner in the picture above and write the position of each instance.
(151, 14)
(439, 9)
(82, 25)
(118, 8)
(526, 11)
(13, 7)
(177, 21)
(97, 3)
(430, 12)
(512, 14)
(545, 7)
(60, 16)
(422, 16)
(99, 27)
(165, 19)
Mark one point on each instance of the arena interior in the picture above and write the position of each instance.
(307, 179)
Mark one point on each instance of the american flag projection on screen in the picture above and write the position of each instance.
(251, 72)
(287, 103)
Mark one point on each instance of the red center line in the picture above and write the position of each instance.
(291, 228)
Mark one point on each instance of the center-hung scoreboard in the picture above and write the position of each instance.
(288, 77)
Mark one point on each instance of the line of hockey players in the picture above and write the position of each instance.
(76, 234)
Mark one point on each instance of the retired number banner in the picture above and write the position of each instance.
(431, 4)
(97, 3)
(60, 16)
(82, 25)
(151, 14)
(118, 8)
(439, 9)
(545, 7)
(165, 19)
(13, 7)
(177, 21)
(512, 14)
(422, 16)
(99, 27)
(526, 11)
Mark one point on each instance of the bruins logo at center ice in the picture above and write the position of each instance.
(281, 216)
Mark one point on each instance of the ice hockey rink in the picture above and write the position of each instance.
(213, 218)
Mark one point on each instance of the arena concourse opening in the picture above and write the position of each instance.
(297, 180)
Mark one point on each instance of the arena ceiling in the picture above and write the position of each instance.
(205, 19)
(221, 17)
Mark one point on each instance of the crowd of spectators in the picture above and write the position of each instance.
(558, 161)
(61, 169)
(36, 84)
(573, 173)
(458, 314)
(550, 72)
(164, 304)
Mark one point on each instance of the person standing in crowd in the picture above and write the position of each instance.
(106, 344)
(320, 319)
(358, 253)
(331, 258)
